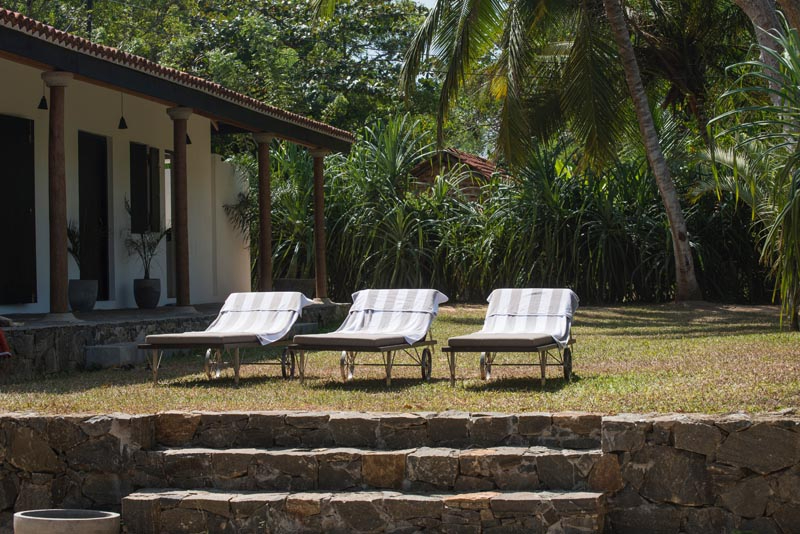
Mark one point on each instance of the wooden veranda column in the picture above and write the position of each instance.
(180, 223)
(56, 171)
(320, 267)
(264, 212)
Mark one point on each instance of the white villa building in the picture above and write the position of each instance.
(71, 162)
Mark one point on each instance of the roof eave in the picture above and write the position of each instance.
(45, 54)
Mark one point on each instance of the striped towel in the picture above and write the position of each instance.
(269, 316)
(531, 311)
(404, 312)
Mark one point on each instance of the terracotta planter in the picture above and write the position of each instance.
(82, 295)
(306, 286)
(66, 522)
(147, 292)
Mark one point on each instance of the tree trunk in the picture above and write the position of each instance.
(763, 15)
(791, 8)
(686, 284)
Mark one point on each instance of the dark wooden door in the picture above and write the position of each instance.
(17, 214)
(93, 210)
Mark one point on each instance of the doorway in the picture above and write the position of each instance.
(93, 210)
(17, 212)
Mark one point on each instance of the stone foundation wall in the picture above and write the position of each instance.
(705, 474)
(661, 474)
(43, 350)
(85, 461)
(40, 351)
(68, 462)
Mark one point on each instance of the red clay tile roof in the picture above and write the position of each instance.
(32, 27)
(482, 165)
(449, 156)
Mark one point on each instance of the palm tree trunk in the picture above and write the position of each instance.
(763, 15)
(791, 8)
(686, 284)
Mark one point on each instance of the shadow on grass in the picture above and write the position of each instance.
(226, 381)
(673, 321)
(475, 321)
(521, 384)
(372, 385)
(175, 370)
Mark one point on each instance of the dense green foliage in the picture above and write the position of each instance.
(343, 72)
(538, 81)
(763, 166)
(602, 233)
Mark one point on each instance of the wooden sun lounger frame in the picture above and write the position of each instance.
(347, 362)
(155, 353)
(549, 355)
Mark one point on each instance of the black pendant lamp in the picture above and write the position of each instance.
(122, 124)
(43, 101)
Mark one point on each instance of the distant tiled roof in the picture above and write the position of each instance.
(34, 28)
(479, 164)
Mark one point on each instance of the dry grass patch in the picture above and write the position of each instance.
(667, 358)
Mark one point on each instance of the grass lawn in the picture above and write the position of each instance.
(665, 358)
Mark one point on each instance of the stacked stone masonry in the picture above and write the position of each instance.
(408, 472)
(701, 474)
(363, 511)
(45, 350)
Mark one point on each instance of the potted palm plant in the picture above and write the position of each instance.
(82, 293)
(144, 245)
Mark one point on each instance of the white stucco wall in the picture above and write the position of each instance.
(211, 184)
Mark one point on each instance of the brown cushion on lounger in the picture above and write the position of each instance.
(500, 341)
(198, 338)
(343, 341)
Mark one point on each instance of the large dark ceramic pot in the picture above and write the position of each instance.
(82, 295)
(147, 292)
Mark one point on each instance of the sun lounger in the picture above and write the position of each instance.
(245, 320)
(385, 321)
(521, 321)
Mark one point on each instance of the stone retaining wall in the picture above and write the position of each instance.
(705, 474)
(42, 350)
(89, 461)
(662, 474)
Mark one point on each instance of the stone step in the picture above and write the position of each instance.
(424, 469)
(192, 511)
(375, 430)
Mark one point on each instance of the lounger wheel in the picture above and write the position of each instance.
(567, 358)
(486, 367)
(287, 363)
(212, 365)
(345, 368)
(426, 364)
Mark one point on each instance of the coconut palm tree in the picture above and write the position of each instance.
(686, 286)
(460, 33)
